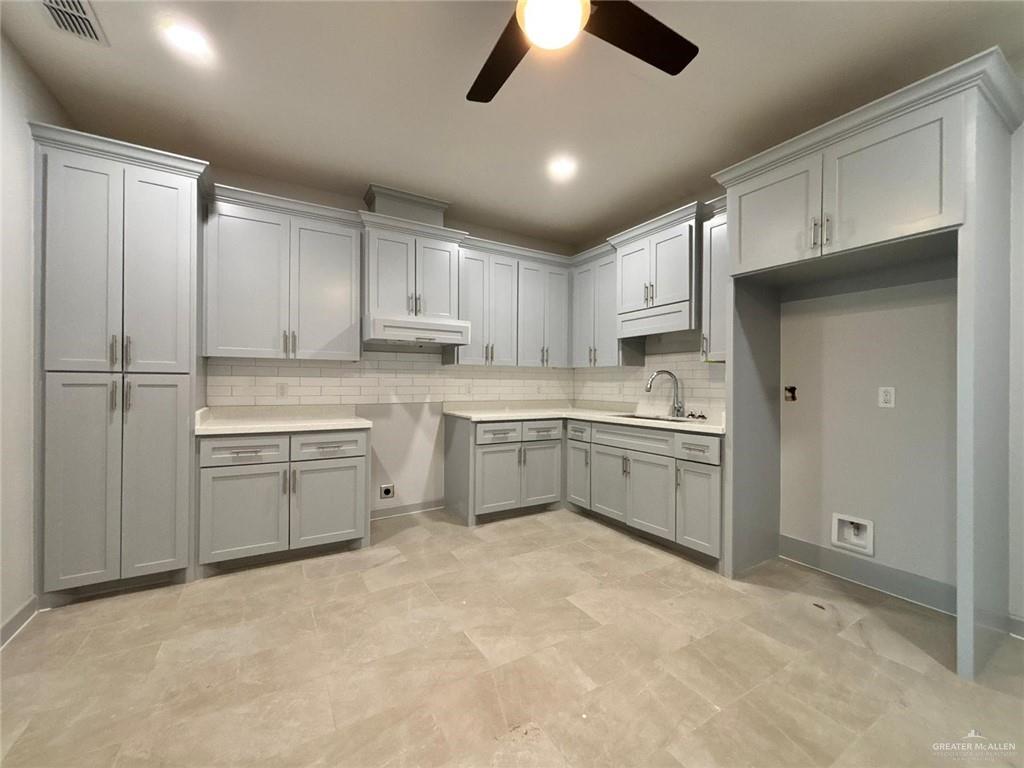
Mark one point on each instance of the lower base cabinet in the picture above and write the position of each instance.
(577, 473)
(513, 475)
(256, 508)
(652, 491)
(698, 506)
(609, 488)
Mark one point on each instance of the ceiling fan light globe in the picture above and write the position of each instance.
(552, 24)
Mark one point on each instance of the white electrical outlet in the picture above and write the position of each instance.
(282, 390)
(887, 397)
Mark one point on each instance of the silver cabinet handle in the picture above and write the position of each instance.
(409, 306)
(628, 467)
(330, 447)
(127, 350)
(646, 293)
(246, 452)
(623, 463)
(295, 344)
(826, 236)
(284, 336)
(678, 478)
(295, 481)
(814, 231)
(487, 353)
(419, 303)
(113, 349)
(586, 458)
(652, 292)
(284, 482)
(113, 396)
(704, 346)
(127, 395)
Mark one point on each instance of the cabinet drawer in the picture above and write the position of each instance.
(499, 432)
(234, 451)
(328, 445)
(655, 441)
(701, 448)
(579, 430)
(542, 430)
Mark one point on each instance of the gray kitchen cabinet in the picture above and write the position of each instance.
(391, 269)
(583, 314)
(541, 472)
(634, 276)
(243, 511)
(83, 213)
(246, 288)
(652, 504)
(437, 278)
(159, 239)
(82, 487)
(155, 477)
(323, 305)
(328, 501)
(698, 507)
(497, 478)
(488, 299)
(671, 257)
(282, 279)
(609, 490)
(715, 278)
(577, 473)
(543, 315)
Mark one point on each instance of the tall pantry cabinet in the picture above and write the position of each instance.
(118, 230)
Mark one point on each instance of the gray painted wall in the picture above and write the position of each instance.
(24, 98)
(842, 453)
(1017, 384)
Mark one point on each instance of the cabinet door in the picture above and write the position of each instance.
(608, 482)
(634, 275)
(503, 301)
(556, 318)
(715, 272)
(698, 506)
(776, 216)
(324, 291)
(577, 473)
(583, 316)
(671, 265)
(242, 511)
(437, 278)
(328, 501)
(157, 457)
(532, 302)
(900, 178)
(652, 494)
(542, 472)
(473, 305)
(497, 481)
(606, 332)
(159, 239)
(84, 217)
(246, 291)
(82, 486)
(391, 273)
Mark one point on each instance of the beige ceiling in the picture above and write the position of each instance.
(334, 95)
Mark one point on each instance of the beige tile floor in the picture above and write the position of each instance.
(550, 640)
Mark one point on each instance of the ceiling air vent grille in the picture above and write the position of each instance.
(76, 17)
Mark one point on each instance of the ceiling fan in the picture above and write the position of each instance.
(554, 24)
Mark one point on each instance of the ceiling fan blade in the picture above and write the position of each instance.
(636, 32)
(507, 53)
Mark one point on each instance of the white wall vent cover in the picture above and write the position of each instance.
(76, 17)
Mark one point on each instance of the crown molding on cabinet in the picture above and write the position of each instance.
(86, 143)
(515, 251)
(284, 205)
(429, 206)
(714, 207)
(664, 221)
(988, 71)
(412, 227)
(598, 251)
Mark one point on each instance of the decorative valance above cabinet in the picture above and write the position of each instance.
(411, 284)
(281, 278)
(657, 272)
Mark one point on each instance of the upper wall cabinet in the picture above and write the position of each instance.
(488, 300)
(838, 189)
(595, 341)
(657, 270)
(120, 226)
(543, 315)
(715, 278)
(282, 279)
(411, 283)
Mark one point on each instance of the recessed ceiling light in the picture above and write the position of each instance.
(188, 40)
(562, 168)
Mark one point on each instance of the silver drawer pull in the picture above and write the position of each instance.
(113, 396)
(246, 452)
(426, 338)
(330, 447)
(694, 448)
(113, 349)
(499, 431)
(295, 481)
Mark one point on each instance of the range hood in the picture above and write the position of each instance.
(412, 329)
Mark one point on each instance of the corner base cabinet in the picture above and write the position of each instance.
(270, 493)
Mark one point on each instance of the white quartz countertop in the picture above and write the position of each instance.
(607, 417)
(255, 419)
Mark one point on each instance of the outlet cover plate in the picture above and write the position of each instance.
(844, 536)
(887, 397)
